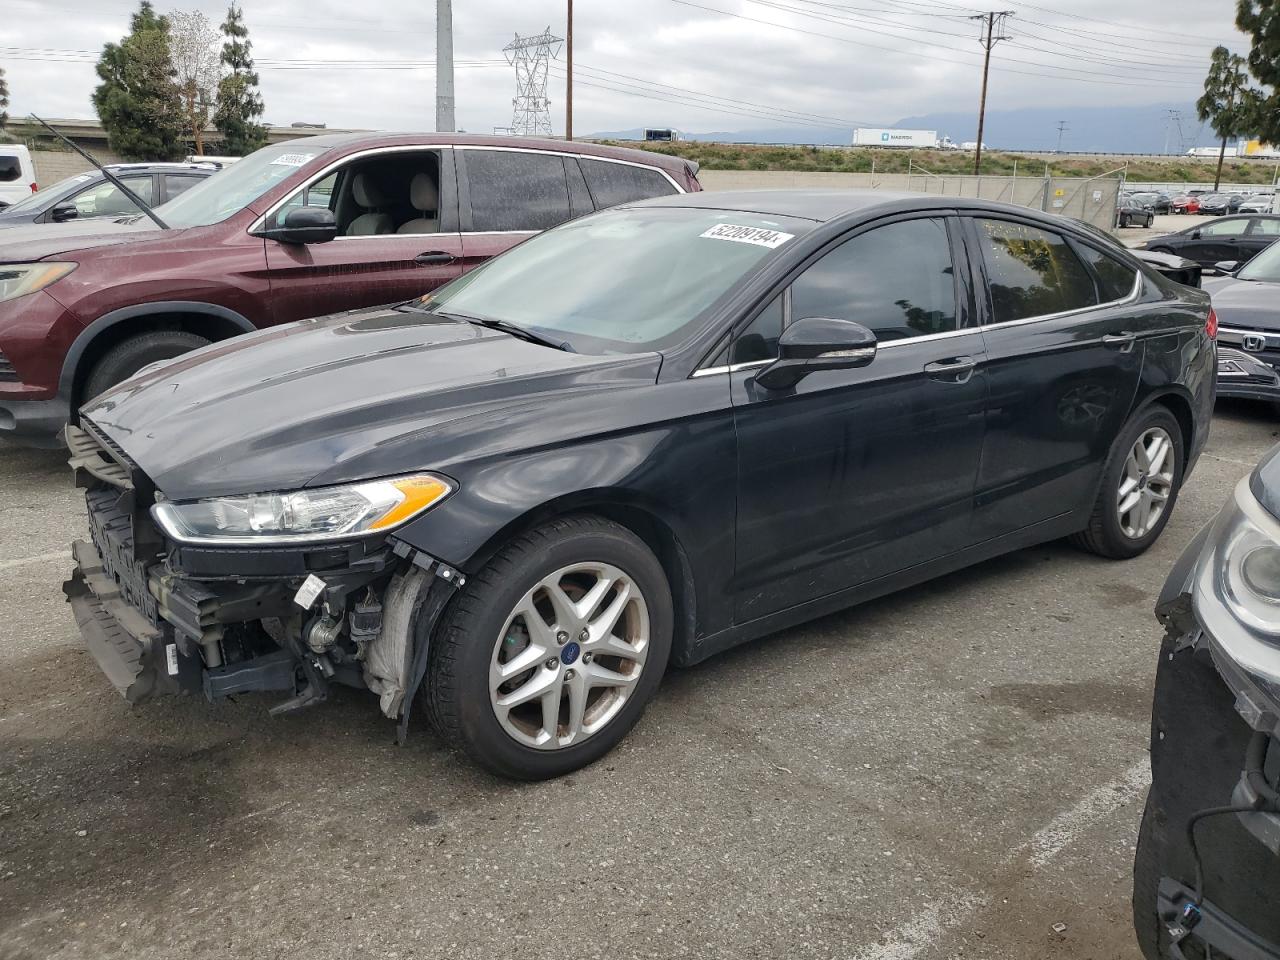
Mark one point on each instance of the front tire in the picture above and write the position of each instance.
(1153, 936)
(1139, 489)
(129, 356)
(547, 657)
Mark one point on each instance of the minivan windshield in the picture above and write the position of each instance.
(628, 280)
(229, 191)
(1265, 266)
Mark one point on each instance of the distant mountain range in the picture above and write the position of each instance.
(1089, 130)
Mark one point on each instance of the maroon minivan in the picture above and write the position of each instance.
(295, 230)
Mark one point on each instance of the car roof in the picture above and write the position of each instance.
(162, 167)
(822, 206)
(351, 141)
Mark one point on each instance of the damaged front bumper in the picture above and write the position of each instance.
(162, 618)
(1209, 710)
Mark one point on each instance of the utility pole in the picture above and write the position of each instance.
(444, 66)
(992, 22)
(1062, 127)
(568, 89)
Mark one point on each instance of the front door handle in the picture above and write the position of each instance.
(951, 370)
(1120, 341)
(434, 257)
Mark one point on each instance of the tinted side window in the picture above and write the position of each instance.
(1032, 272)
(175, 184)
(516, 191)
(1265, 228)
(759, 341)
(1225, 228)
(1115, 280)
(897, 280)
(10, 169)
(614, 183)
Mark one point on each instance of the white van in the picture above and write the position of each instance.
(17, 174)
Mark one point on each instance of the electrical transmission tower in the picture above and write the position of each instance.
(532, 56)
(1062, 128)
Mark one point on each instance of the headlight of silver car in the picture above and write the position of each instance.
(19, 279)
(324, 513)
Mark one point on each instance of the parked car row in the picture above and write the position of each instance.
(1234, 239)
(91, 195)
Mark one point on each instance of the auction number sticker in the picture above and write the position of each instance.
(758, 236)
(293, 159)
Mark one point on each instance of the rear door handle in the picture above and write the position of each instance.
(434, 257)
(1120, 341)
(951, 370)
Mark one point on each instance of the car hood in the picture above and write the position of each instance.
(1244, 303)
(37, 241)
(352, 396)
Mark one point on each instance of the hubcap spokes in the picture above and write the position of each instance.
(569, 656)
(1146, 483)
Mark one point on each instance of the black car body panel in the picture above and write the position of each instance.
(766, 507)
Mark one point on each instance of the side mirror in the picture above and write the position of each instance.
(1227, 266)
(62, 212)
(817, 343)
(1195, 234)
(304, 225)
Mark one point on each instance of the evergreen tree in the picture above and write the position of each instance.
(4, 100)
(239, 102)
(137, 100)
(1228, 102)
(1261, 20)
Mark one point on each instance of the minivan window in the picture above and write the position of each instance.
(1032, 272)
(897, 280)
(516, 190)
(10, 169)
(615, 183)
(214, 199)
(666, 266)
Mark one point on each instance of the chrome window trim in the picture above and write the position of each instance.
(730, 368)
(405, 148)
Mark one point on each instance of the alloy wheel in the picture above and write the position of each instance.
(570, 656)
(1146, 483)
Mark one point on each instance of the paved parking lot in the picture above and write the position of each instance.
(948, 772)
(1164, 223)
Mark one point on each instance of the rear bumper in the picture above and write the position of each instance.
(34, 423)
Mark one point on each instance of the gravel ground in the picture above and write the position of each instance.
(948, 772)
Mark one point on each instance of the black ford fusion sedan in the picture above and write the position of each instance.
(640, 438)
(1207, 868)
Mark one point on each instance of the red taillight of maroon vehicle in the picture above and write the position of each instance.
(1211, 325)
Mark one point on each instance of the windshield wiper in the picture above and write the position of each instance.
(515, 330)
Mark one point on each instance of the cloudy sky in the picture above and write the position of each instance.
(698, 65)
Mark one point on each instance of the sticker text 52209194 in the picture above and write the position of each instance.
(758, 236)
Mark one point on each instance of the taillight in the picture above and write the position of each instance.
(1211, 325)
(34, 187)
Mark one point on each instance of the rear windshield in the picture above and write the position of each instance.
(229, 191)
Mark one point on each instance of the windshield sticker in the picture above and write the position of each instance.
(293, 159)
(758, 236)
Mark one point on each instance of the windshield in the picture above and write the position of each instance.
(623, 281)
(229, 191)
(1265, 266)
(36, 200)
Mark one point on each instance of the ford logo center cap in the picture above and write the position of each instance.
(569, 653)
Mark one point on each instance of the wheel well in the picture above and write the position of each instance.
(656, 534)
(206, 325)
(1181, 410)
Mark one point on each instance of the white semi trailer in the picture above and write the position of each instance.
(889, 137)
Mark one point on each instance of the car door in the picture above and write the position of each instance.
(1216, 241)
(1064, 342)
(855, 474)
(391, 246)
(508, 195)
(1263, 232)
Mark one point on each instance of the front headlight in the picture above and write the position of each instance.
(19, 279)
(325, 513)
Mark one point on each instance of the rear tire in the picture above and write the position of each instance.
(128, 357)
(1121, 534)
(487, 627)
